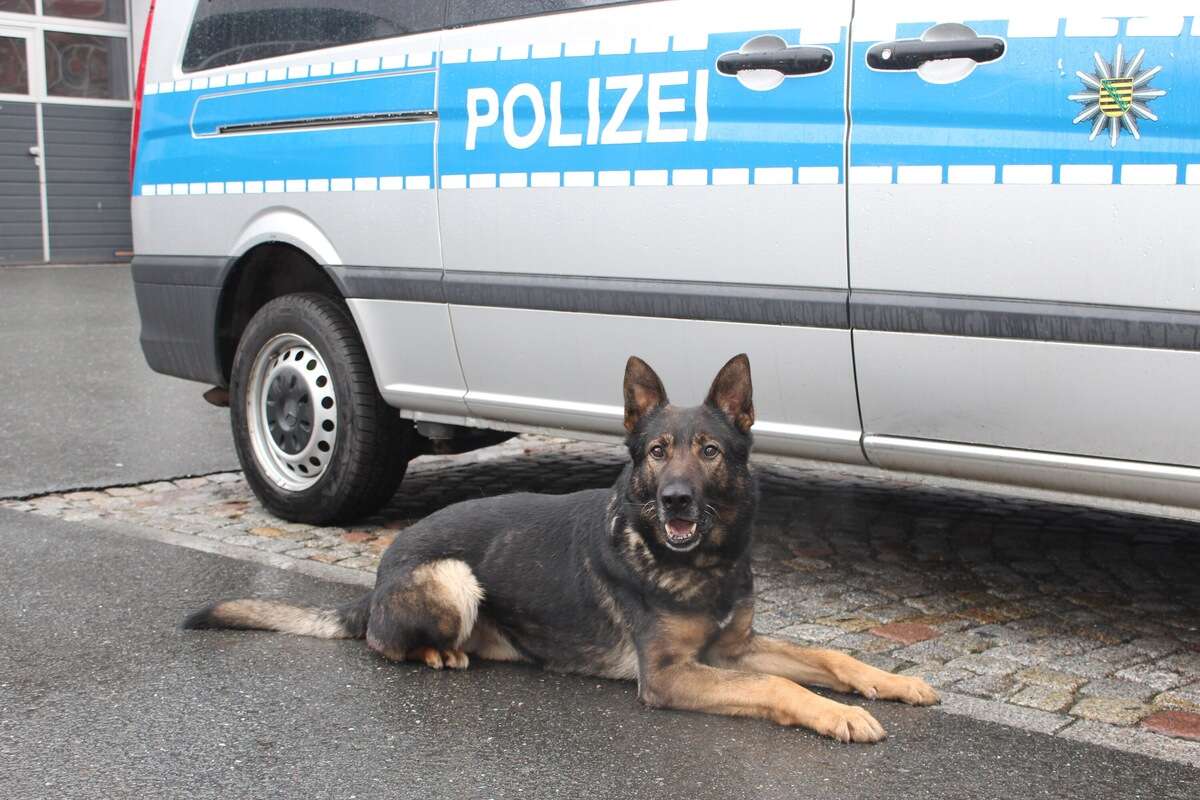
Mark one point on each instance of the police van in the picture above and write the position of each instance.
(954, 236)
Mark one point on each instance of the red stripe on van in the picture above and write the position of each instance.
(137, 101)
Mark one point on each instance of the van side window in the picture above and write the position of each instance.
(228, 32)
(472, 12)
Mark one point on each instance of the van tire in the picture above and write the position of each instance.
(370, 444)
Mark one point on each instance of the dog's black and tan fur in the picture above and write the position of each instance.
(647, 581)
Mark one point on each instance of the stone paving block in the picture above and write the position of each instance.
(1154, 646)
(328, 556)
(995, 687)
(191, 483)
(1080, 665)
(1041, 676)
(1111, 710)
(124, 491)
(862, 642)
(1119, 656)
(1178, 724)
(937, 675)
(807, 632)
(226, 477)
(882, 661)
(1157, 679)
(1117, 688)
(1006, 634)
(850, 624)
(892, 613)
(366, 563)
(1045, 698)
(1187, 663)
(1184, 698)
(906, 633)
(1030, 719)
(158, 487)
(983, 664)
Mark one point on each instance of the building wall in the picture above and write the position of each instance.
(20, 199)
(75, 106)
(87, 181)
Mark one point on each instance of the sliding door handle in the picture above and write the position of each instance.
(910, 54)
(798, 60)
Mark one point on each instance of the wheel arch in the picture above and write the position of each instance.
(266, 270)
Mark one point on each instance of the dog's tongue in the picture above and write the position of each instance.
(680, 528)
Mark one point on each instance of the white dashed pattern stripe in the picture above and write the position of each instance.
(960, 174)
(290, 186)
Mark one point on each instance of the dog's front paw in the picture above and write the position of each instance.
(437, 659)
(880, 685)
(845, 723)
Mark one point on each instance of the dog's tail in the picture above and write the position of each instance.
(345, 622)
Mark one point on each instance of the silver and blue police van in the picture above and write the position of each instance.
(954, 236)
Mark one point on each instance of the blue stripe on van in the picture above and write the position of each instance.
(1015, 110)
(800, 123)
(170, 154)
(336, 97)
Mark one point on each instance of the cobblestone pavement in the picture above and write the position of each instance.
(1054, 618)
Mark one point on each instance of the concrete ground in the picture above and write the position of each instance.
(105, 697)
(1077, 629)
(1055, 619)
(78, 405)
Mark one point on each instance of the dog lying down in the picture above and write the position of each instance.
(648, 581)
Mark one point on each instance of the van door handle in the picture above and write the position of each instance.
(909, 54)
(799, 60)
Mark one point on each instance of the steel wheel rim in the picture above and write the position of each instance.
(291, 411)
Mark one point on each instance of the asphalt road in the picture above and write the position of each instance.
(78, 405)
(102, 696)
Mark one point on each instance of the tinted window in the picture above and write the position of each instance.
(102, 10)
(14, 68)
(85, 65)
(17, 6)
(233, 31)
(473, 12)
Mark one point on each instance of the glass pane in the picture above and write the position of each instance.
(14, 66)
(100, 10)
(472, 12)
(235, 31)
(81, 65)
(17, 6)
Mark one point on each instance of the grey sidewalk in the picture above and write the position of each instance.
(1050, 618)
(78, 405)
(105, 697)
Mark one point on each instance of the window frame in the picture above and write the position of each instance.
(37, 24)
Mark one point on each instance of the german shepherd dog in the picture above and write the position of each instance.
(648, 581)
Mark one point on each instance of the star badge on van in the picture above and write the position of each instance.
(1117, 95)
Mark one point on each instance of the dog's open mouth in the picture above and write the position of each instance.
(681, 533)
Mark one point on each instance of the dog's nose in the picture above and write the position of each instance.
(676, 498)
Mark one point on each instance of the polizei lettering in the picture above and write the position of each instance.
(602, 106)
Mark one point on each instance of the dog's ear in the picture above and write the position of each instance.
(732, 393)
(644, 391)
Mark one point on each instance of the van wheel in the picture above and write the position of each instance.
(315, 439)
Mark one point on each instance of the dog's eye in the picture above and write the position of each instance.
(658, 451)
(711, 451)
